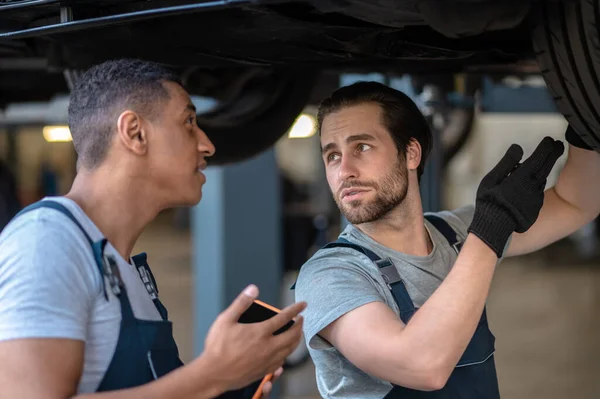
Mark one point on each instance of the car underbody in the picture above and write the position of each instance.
(269, 51)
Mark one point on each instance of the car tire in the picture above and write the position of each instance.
(566, 41)
(243, 137)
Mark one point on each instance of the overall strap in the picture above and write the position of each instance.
(390, 276)
(141, 263)
(110, 270)
(447, 231)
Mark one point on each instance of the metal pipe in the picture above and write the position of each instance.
(27, 4)
(125, 18)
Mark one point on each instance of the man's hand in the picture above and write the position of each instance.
(239, 353)
(236, 355)
(510, 197)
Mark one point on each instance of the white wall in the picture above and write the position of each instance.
(492, 135)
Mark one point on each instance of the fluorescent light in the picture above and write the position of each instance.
(305, 126)
(54, 134)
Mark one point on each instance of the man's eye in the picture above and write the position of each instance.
(332, 157)
(364, 147)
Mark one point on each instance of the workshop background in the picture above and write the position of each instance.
(260, 219)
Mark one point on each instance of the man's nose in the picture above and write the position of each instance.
(348, 169)
(205, 146)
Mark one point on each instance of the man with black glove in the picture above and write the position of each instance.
(397, 303)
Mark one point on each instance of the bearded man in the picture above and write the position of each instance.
(397, 303)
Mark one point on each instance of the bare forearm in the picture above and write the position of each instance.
(557, 220)
(578, 184)
(183, 383)
(441, 330)
(569, 205)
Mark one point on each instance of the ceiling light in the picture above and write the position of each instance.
(54, 134)
(305, 126)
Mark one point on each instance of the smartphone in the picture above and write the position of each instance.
(260, 311)
(257, 312)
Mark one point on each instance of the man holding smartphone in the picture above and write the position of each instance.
(79, 315)
(397, 303)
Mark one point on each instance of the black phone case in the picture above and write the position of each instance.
(257, 313)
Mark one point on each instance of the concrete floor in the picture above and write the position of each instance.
(544, 310)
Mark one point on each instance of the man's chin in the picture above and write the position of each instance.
(196, 195)
(355, 220)
(196, 199)
(354, 217)
(360, 215)
(192, 199)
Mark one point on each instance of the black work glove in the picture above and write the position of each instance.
(511, 195)
(573, 138)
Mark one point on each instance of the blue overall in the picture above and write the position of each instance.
(475, 374)
(145, 349)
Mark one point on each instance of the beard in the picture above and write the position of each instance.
(390, 191)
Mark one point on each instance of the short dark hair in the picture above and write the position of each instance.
(401, 116)
(103, 92)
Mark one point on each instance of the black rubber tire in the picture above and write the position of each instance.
(566, 41)
(241, 142)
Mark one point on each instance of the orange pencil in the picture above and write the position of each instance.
(268, 377)
(258, 393)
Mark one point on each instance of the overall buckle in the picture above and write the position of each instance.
(111, 269)
(388, 271)
(150, 287)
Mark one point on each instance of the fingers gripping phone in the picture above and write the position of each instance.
(257, 312)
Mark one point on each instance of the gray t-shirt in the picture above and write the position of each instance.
(50, 287)
(337, 280)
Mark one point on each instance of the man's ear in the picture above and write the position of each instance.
(131, 132)
(413, 154)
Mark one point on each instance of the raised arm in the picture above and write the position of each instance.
(573, 202)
